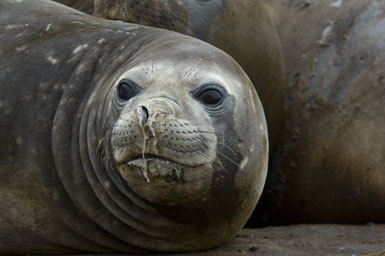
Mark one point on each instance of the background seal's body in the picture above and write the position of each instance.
(329, 165)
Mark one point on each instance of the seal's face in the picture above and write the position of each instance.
(164, 141)
(190, 137)
(161, 137)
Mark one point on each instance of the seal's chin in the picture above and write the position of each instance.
(164, 181)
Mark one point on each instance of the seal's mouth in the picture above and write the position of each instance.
(148, 157)
(151, 166)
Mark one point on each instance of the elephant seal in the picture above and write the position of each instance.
(328, 166)
(121, 138)
(241, 29)
(330, 160)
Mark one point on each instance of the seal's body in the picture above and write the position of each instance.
(118, 137)
(330, 162)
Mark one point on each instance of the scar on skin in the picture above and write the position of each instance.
(80, 48)
(337, 3)
(48, 27)
(244, 162)
(52, 60)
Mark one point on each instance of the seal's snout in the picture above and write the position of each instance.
(143, 115)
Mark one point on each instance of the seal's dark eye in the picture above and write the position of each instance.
(127, 89)
(211, 95)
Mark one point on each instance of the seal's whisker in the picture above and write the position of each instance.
(103, 154)
(212, 158)
(106, 155)
(222, 144)
(206, 131)
(206, 155)
(100, 143)
(199, 123)
(217, 151)
(221, 165)
(228, 158)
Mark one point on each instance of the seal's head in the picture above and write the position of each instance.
(190, 138)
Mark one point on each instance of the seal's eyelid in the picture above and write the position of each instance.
(212, 95)
(127, 89)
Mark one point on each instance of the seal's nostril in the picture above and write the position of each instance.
(144, 113)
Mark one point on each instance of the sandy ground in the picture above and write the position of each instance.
(298, 240)
(305, 240)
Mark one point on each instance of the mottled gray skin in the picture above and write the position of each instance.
(64, 190)
(329, 165)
